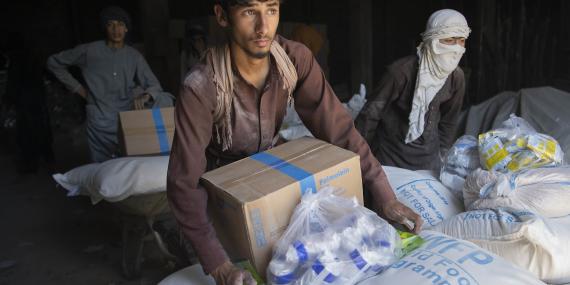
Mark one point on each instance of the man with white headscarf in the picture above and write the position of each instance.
(412, 114)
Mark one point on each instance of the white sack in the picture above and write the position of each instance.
(444, 260)
(545, 191)
(424, 194)
(539, 245)
(116, 179)
(192, 275)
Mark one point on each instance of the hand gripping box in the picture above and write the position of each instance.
(252, 200)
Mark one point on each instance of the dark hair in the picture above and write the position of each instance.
(226, 4)
(195, 30)
(115, 13)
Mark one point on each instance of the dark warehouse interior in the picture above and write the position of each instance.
(49, 238)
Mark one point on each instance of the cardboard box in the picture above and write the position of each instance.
(252, 200)
(148, 131)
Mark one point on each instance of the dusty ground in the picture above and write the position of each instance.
(48, 238)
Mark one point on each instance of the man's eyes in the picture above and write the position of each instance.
(249, 12)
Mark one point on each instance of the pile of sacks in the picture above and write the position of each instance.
(521, 220)
(333, 240)
(497, 217)
(514, 191)
(515, 146)
(522, 216)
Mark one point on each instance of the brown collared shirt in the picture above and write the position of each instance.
(257, 116)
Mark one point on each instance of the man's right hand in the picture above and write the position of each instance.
(395, 211)
(82, 92)
(229, 274)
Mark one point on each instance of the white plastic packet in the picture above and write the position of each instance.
(332, 239)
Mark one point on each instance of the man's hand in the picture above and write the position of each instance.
(229, 274)
(141, 100)
(396, 211)
(82, 92)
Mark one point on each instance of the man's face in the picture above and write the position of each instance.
(253, 26)
(199, 44)
(453, 41)
(116, 31)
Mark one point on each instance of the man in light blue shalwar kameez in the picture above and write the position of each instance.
(111, 70)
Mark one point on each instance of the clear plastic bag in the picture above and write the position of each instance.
(516, 146)
(332, 240)
(293, 128)
(461, 159)
(356, 103)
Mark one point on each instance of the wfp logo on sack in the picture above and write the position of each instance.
(445, 261)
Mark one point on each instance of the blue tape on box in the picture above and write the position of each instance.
(305, 178)
(161, 132)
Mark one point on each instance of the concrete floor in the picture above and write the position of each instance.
(48, 238)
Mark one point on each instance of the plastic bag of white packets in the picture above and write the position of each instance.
(516, 146)
(332, 240)
(461, 159)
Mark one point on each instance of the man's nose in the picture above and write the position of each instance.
(261, 25)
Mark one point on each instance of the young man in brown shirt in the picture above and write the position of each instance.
(232, 105)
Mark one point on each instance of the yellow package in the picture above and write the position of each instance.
(493, 154)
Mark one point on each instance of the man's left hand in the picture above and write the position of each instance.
(396, 211)
(141, 100)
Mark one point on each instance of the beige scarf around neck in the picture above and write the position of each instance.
(221, 62)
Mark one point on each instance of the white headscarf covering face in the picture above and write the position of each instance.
(436, 62)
